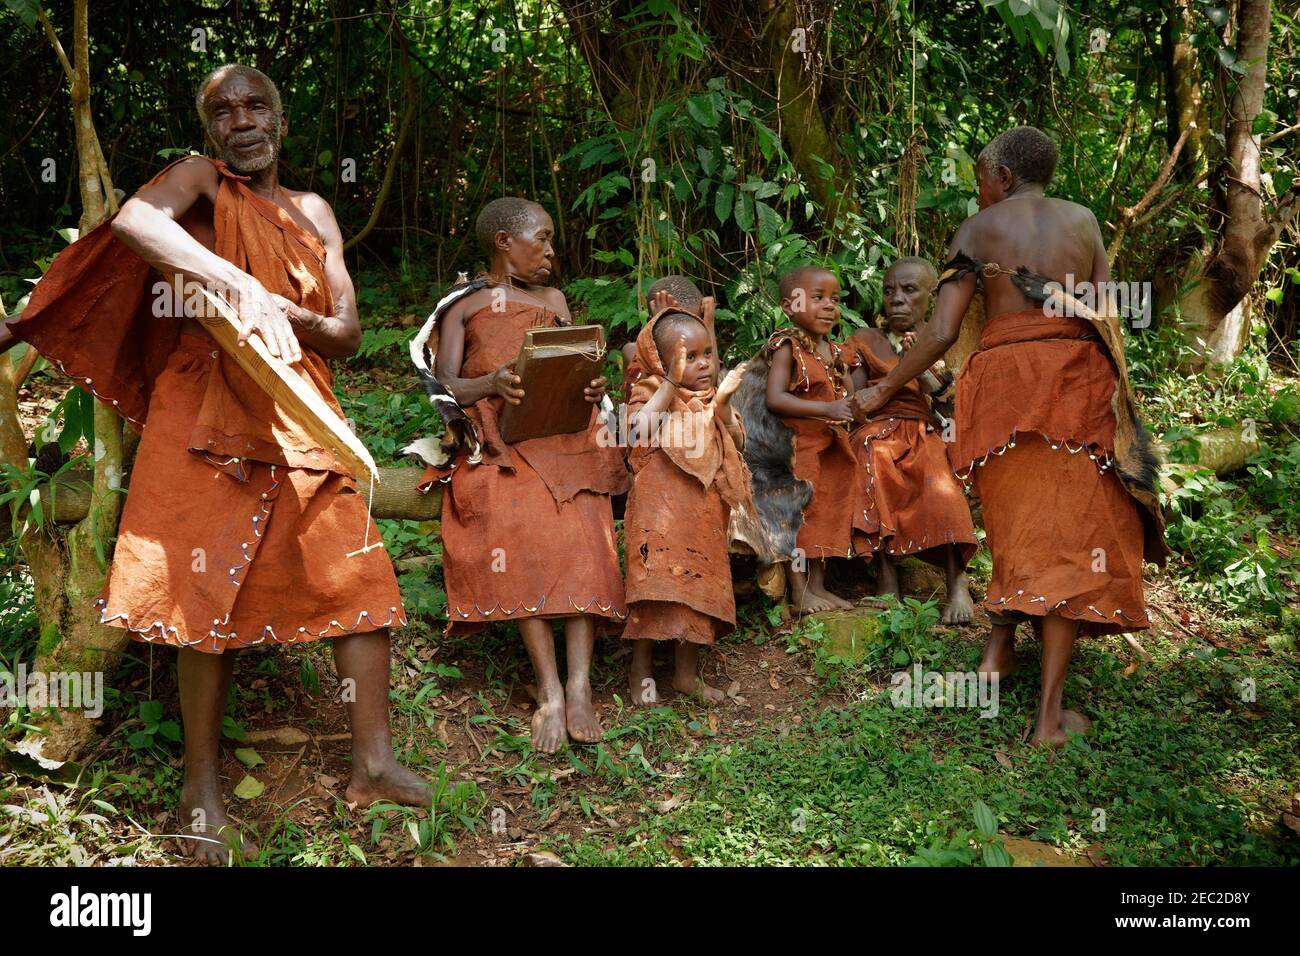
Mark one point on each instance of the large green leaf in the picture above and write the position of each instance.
(26, 10)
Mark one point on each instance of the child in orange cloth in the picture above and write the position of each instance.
(808, 386)
(689, 476)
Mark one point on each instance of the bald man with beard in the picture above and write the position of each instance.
(237, 526)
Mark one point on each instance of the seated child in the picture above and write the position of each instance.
(914, 503)
(808, 386)
(688, 477)
(527, 528)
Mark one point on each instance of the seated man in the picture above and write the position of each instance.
(914, 504)
(237, 526)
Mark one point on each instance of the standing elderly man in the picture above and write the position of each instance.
(1044, 422)
(238, 525)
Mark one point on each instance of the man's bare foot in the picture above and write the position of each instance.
(389, 782)
(1071, 721)
(960, 609)
(549, 729)
(580, 714)
(999, 653)
(207, 834)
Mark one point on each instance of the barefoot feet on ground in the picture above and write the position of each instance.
(1056, 736)
(387, 781)
(960, 609)
(549, 733)
(207, 832)
(999, 658)
(581, 714)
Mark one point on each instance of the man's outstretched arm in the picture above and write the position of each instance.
(148, 225)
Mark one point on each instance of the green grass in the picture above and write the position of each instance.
(1185, 773)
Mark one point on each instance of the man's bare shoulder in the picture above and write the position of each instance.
(317, 209)
(195, 174)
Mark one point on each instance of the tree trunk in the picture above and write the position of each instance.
(1215, 306)
(812, 147)
(69, 573)
(1185, 108)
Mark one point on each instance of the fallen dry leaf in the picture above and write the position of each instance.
(1002, 758)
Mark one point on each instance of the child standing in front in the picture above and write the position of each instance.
(689, 475)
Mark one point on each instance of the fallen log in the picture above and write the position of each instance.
(395, 496)
(1223, 451)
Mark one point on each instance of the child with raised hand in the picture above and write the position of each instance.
(689, 475)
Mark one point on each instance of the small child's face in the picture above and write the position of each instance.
(528, 254)
(815, 305)
(907, 296)
(698, 374)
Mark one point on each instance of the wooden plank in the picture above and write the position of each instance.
(296, 398)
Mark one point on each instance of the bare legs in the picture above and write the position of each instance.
(960, 609)
(1058, 636)
(1053, 721)
(579, 639)
(640, 678)
(363, 664)
(563, 710)
(887, 583)
(687, 678)
(204, 684)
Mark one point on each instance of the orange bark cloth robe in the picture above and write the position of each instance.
(1035, 430)
(685, 486)
(822, 453)
(913, 501)
(527, 531)
(237, 525)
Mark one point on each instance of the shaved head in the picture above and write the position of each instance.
(1026, 151)
(916, 262)
(686, 292)
(797, 276)
(507, 214)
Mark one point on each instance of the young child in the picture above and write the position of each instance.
(686, 295)
(914, 504)
(527, 528)
(808, 386)
(688, 477)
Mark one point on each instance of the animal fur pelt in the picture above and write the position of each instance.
(1137, 460)
(779, 497)
(458, 428)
